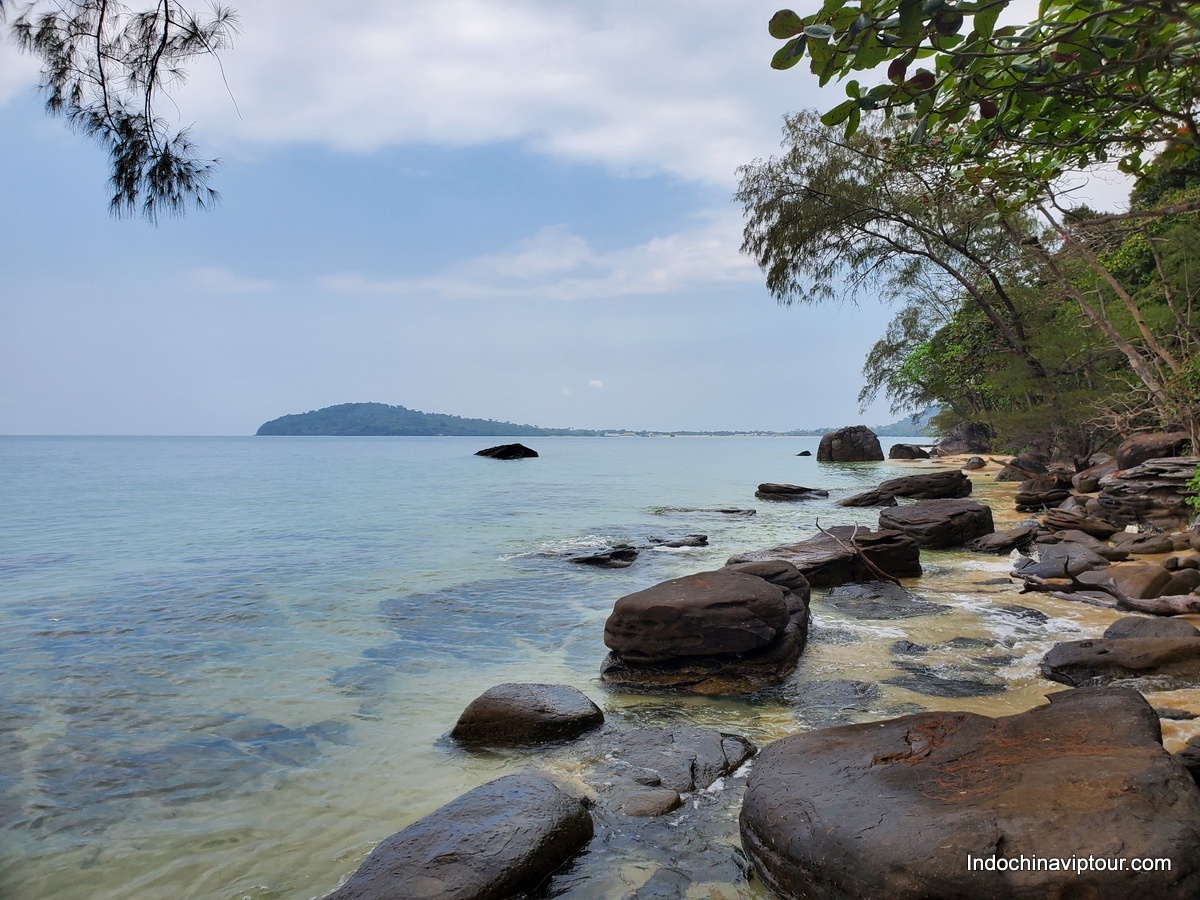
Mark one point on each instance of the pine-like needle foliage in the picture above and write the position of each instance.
(104, 69)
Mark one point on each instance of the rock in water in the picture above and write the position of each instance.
(907, 451)
(940, 523)
(827, 560)
(727, 631)
(857, 443)
(928, 486)
(508, 451)
(769, 491)
(504, 838)
(514, 713)
(896, 809)
(1153, 664)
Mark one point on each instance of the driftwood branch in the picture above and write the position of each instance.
(857, 551)
(1169, 605)
(1024, 472)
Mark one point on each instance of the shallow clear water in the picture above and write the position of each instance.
(228, 664)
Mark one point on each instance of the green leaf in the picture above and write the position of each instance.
(853, 122)
(785, 24)
(819, 32)
(839, 113)
(789, 54)
(985, 20)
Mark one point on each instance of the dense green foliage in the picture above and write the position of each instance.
(378, 419)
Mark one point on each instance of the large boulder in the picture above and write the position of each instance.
(1156, 627)
(907, 451)
(518, 713)
(1144, 447)
(1042, 492)
(1065, 559)
(936, 524)
(1088, 481)
(869, 498)
(1154, 493)
(828, 559)
(967, 437)
(1153, 664)
(508, 451)
(1004, 541)
(928, 485)
(1063, 519)
(502, 839)
(929, 806)
(770, 491)
(856, 443)
(1143, 581)
(719, 632)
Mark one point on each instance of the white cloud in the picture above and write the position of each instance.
(222, 281)
(596, 383)
(556, 264)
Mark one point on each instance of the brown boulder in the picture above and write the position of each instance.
(1144, 447)
(937, 524)
(856, 443)
(907, 451)
(508, 451)
(513, 713)
(769, 491)
(1153, 664)
(827, 560)
(928, 485)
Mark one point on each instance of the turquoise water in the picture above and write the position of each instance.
(229, 663)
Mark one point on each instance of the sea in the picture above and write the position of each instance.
(228, 666)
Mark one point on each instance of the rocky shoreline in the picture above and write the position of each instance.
(877, 798)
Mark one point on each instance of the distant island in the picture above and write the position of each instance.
(382, 420)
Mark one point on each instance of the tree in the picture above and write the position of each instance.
(105, 69)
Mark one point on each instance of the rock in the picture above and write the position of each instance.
(975, 462)
(644, 772)
(1061, 519)
(1189, 757)
(726, 631)
(1062, 560)
(856, 443)
(869, 498)
(880, 600)
(769, 491)
(1183, 581)
(508, 451)
(936, 524)
(1143, 544)
(968, 437)
(1144, 447)
(1088, 481)
(1143, 581)
(1004, 541)
(503, 838)
(1153, 664)
(928, 485)
(907, 451)
(688, 540)
(1157, 627)
(824, 561)
(619, 557)
(1074, 536)
(908, 648)
(902, 808)
(1154, 493)
(1030, 464)
(819, 704)
(1043, 492)
(946, 681)
(804, 453)
(1174, 715)
(514, 713)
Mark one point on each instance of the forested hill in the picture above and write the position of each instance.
(379, 419)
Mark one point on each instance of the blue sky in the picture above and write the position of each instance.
(519, 211)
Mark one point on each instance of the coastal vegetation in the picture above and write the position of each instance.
(947, 188)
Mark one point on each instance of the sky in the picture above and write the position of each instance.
(520, 211)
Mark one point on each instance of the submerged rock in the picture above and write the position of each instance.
(508, 451)
(503, 838)
(856, 443)
(516, 713)
(898, 808)
(619, 557)
(880, 600)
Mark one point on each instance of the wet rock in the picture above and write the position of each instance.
(1061, 560)
(928, 485)
(1174, 715)
(804, 453)
(820, 704)
(847, 812)
(515, 713)
(1034, 616)
(938, 524)
(503, 838)
(770, 491)
(1160, 664)
(727, 631)
(1144, 447)
(880, 600)
(908, 648)
(644, 772)
(856, 443)
(946, 681)
(967, 437)
(869, 498)
(619, 557)
(907, 451)
(1154, 493)
(1097, 546)
(507, 451)
(1004, 541)
(975, 462)
(826, 560)
(1146, 627)
(1143, 581)
(688, 540)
